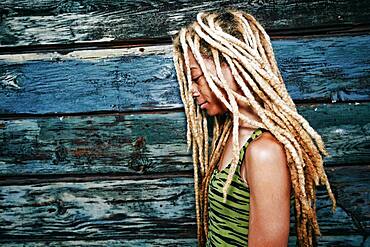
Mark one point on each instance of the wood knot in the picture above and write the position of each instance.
(138, 158)
(140, 142)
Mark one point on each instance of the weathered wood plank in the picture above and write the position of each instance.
(99, 209)
(314, 69)
(141, 143)
(338, 241)
(345, 130)
(150, 143)
(191, 242)
(55, 21)
(140, 209)
(351, 186)
(354, 194)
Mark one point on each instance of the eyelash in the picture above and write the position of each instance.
(195, 80)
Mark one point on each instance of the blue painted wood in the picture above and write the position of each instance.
(150, 143)
(183, 242)
(106, 209)
(337, 241)
(134, 144)
(352, 191)
(119, 180)
(315, 69)
(55, 21)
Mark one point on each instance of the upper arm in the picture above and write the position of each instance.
(269, 182)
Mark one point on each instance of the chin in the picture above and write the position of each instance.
(214, 112)
(215, 109)
(210, 114)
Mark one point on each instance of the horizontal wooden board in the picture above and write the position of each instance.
(140, 143)
(337, 241)
(140, 209)
(99, 209)
(150, 143)
(332, 69)
(55, 22)
(190, 242)
(353, 194)
(345, 129)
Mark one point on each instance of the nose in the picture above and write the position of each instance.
(194, 91)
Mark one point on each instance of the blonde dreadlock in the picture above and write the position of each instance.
(237, 39)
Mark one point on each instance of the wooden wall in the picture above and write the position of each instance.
(92, 128)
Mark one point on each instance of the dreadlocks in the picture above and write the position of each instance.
(237, 39)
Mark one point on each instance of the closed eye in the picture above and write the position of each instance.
(196, 79)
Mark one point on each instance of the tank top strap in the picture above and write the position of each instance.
(256, 133)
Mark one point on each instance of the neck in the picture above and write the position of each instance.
(248, 112)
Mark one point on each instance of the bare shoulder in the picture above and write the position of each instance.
(270, 187)
(266, 148)
(265, 161)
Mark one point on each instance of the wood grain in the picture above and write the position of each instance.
(150, 143)
(61, 22)
(186, 242)
(331, 69)
(338, 241)
(99, 209)
(141, 209)
(87, 158)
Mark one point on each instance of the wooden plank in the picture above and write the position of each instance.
(142, 143)
(126, 209)
(337, 241)
(350, 185)
(345, 130)
(150, 143)
(354, 196)
(314, 69)
(191, 242)
(140, 209)
(329, 241)
(59, 22)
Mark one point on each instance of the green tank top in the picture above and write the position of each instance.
(228, 222)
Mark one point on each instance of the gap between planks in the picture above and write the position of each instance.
(47, 178)
(344, 30)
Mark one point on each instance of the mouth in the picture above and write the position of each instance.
(203, 105)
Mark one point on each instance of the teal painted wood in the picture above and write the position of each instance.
(353, 195)
(190, 242)
(120, 209)
(337, 241)
(125, 180)
(141, 143)
(345, 130)
(314, 69)
(55, 21)
(150, 143)
(106, 209)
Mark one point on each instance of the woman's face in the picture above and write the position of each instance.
(201, 91)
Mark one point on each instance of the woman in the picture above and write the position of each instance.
(263, 153)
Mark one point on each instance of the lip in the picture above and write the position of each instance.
(203, 105)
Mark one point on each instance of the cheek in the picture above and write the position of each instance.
(206, 90)
(216, 108)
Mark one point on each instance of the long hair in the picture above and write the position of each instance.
(237, 39)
